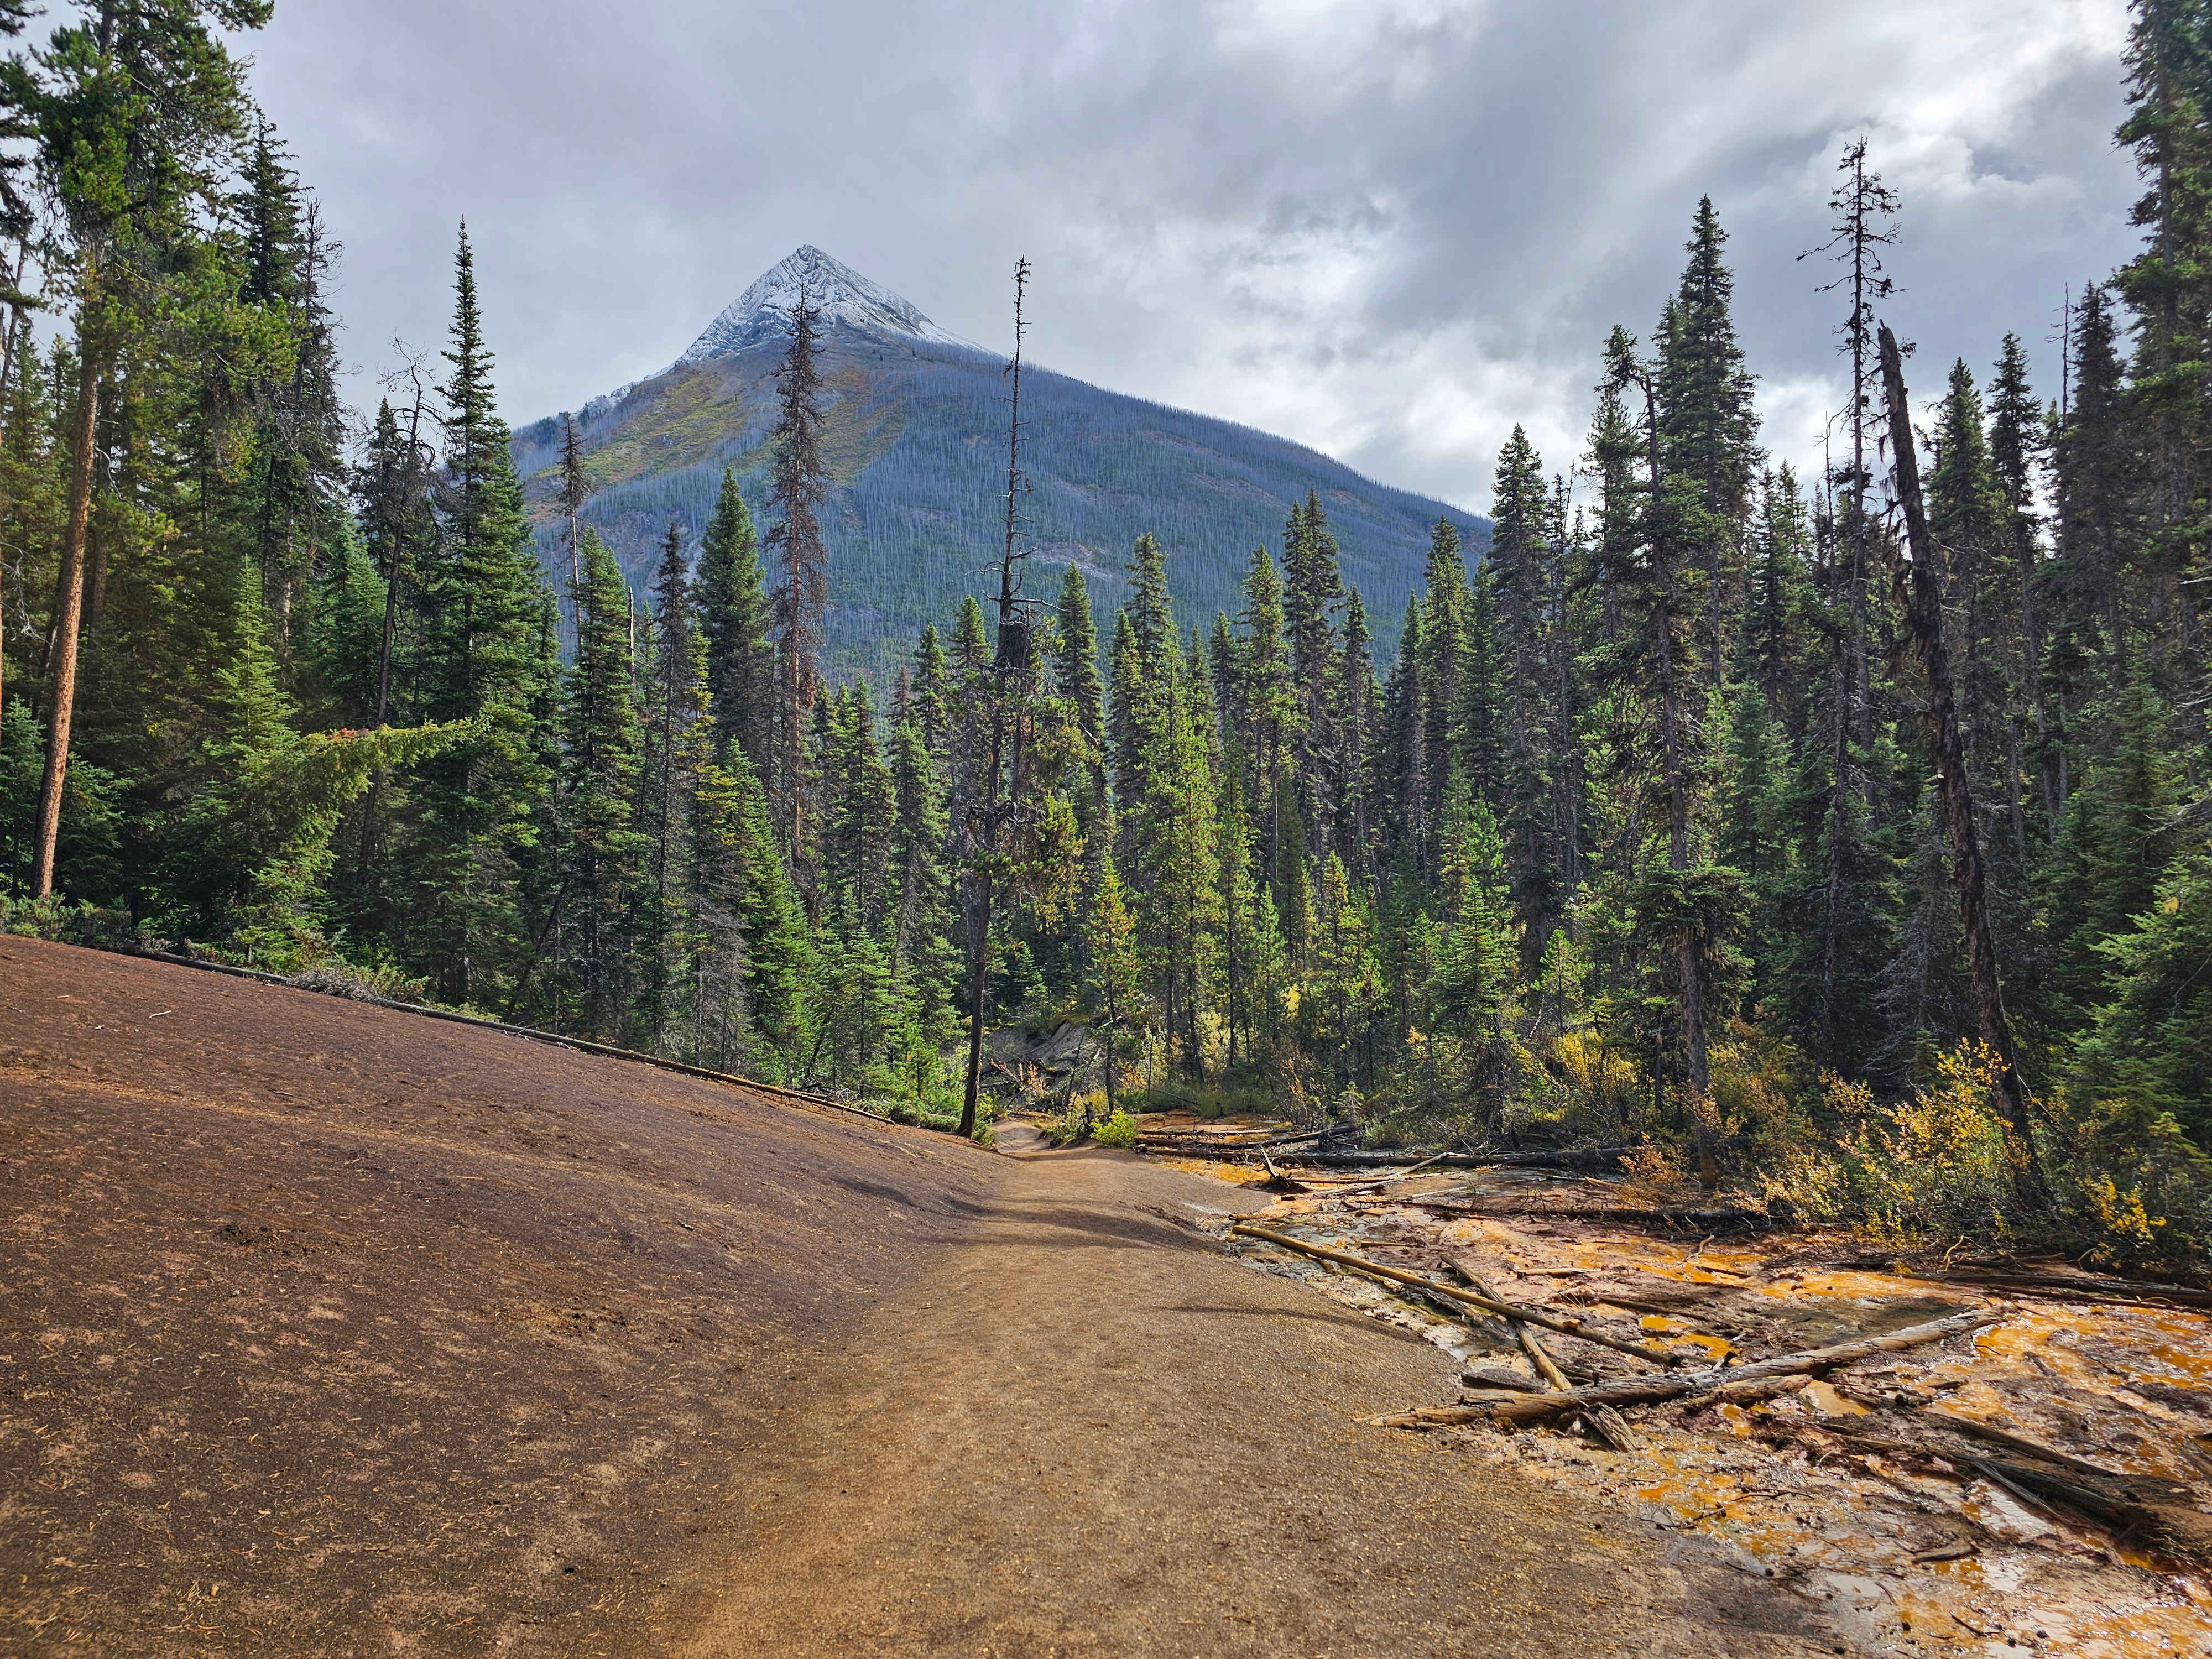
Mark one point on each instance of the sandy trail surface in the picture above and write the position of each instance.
(324, 1329)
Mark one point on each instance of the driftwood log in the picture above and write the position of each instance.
(1602, 1421)
(1654, 1390)
(1573, 1327)
(2063, 1286)
(1685, 1220)
(2159, 1512)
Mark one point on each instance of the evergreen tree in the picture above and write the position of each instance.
(1313, 584)
(1110, 948)
(475, 814)
(734, 616)
(1707, 424)
(933, 692)
(1446, 699)
(678, 745)
(1519, 567)
(604, 851)
(799, 487)
(136, 111)
(858, 811)
(1076, 677)
(1357, 717)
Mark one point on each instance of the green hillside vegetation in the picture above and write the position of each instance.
(1858, 860)
(914, 436)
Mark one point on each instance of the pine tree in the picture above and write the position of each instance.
(1443, 666)
(1467, 996)
(858, 812)
(933, 692)
(799, 489)
(1683, 905)
(475, 814)
(920, 940)
(1313, 585)
(1519, 566)
(680, 742)
(1265, 704)
(1399, 753)
(1479, 723)
(129, 177)
(2168, 293)
(735, 617)
(1708, 426)
(1076, 677)
(2150, 1048)
(1357, 718)
(2018, 442)
(1171, 828)
(1110, 948)
(758, 954)
(2097, 477)
(604, 851)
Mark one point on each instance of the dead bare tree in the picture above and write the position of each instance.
(992, 821)
(19, 307)
(1866, 222)
(404, 510)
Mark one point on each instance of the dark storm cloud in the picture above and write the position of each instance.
(1391, 229)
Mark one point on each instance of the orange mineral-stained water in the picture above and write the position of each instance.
(1904, 1555)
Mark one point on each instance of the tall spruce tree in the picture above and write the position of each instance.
(605, 851)
(798, 486)
(735, 617)
(474, 817)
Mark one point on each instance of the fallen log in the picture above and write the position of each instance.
(1546, 1367)
(1652, 1390)
(1602, 1421)
(1675, 1220)
(1472, 1299)
(1495, 1377)
(2118, 1501)
(1351, 1189)
(1480, 1404)
(1590, 1159)
(2138, 1486)
(1353, 1160)
(2125, 1290)
(1643, 1391)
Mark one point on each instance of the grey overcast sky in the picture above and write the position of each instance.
(1389, 229)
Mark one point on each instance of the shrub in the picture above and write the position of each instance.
(1119, 1130)
(1658, 1173)
(1939, 1162)
(382, 982)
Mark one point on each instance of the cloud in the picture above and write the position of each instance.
(1390, 228)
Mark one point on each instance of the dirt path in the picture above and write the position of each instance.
(1088, 1431)
(325, 1330)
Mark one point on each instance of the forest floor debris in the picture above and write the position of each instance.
(2040, 1484)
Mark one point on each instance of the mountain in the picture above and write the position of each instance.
(916, 436)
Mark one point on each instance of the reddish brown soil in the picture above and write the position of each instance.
(328, 1330)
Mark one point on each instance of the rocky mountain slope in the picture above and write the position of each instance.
(916, 439)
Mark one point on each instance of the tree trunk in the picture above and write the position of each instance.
(1920, 593)
(1689, 957)
(71, 617)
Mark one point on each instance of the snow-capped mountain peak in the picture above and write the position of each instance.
(763, 312)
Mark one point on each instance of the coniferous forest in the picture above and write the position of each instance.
(1845, 838)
